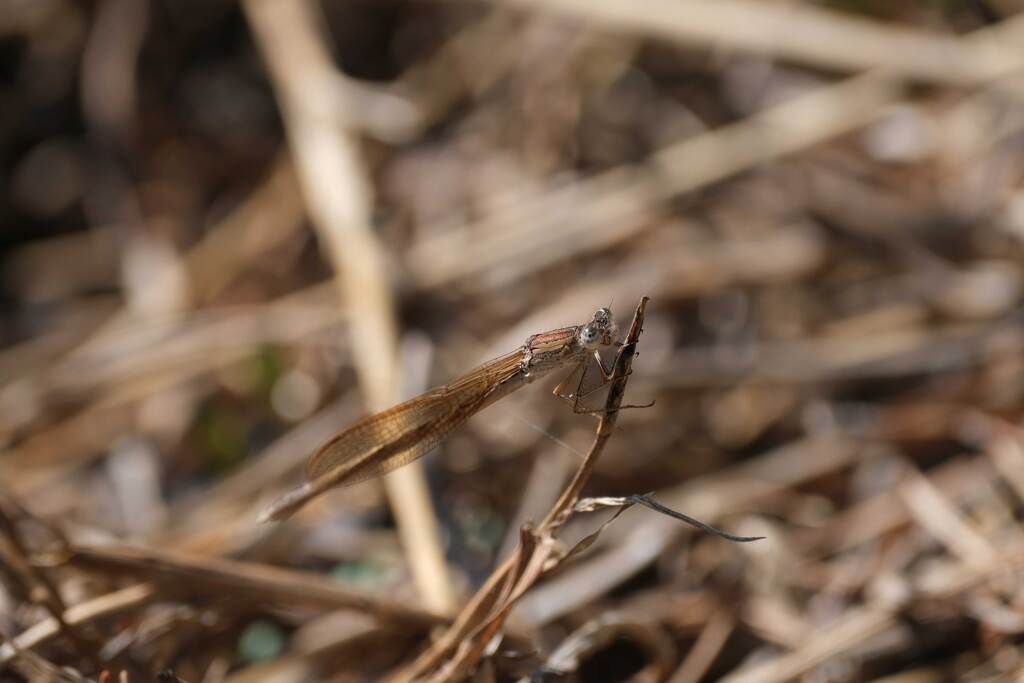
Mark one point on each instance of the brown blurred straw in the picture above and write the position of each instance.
(193, 574)
(104, 606)
(605, 208)
(339, 199)
(41, 588)
(803, 33)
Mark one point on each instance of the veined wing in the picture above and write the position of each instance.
(387, 440)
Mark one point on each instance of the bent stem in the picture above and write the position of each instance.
(482, 618)
(617, 380)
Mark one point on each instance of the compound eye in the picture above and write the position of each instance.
(588, 335)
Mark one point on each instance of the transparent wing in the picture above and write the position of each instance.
(397, 436)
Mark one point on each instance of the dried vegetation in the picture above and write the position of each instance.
(231, 228)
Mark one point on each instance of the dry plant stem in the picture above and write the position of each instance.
(536, 551)
(123, 348)
(600, 632)
(563, 221)
(286, 669)
(942, 519)
(130, 353)
(703, 652)
(486, 612)
(537, 547)
(107, 605)
(109, 66)
(885, 512)
(216, 576)
(605, 424)
(848, 632)
(947, 348)
(36, 668)
(40, 587)
(641, 540)
(801, 32)
(475, 611)
(339, 199)
(858, 625)
(82, 437)
(270, 215)
(608, 207)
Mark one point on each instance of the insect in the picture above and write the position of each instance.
(383, 442)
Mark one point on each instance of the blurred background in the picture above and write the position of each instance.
(228, 229)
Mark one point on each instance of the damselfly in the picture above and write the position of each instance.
(397, 436)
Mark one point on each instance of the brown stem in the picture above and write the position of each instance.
(486, 612)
